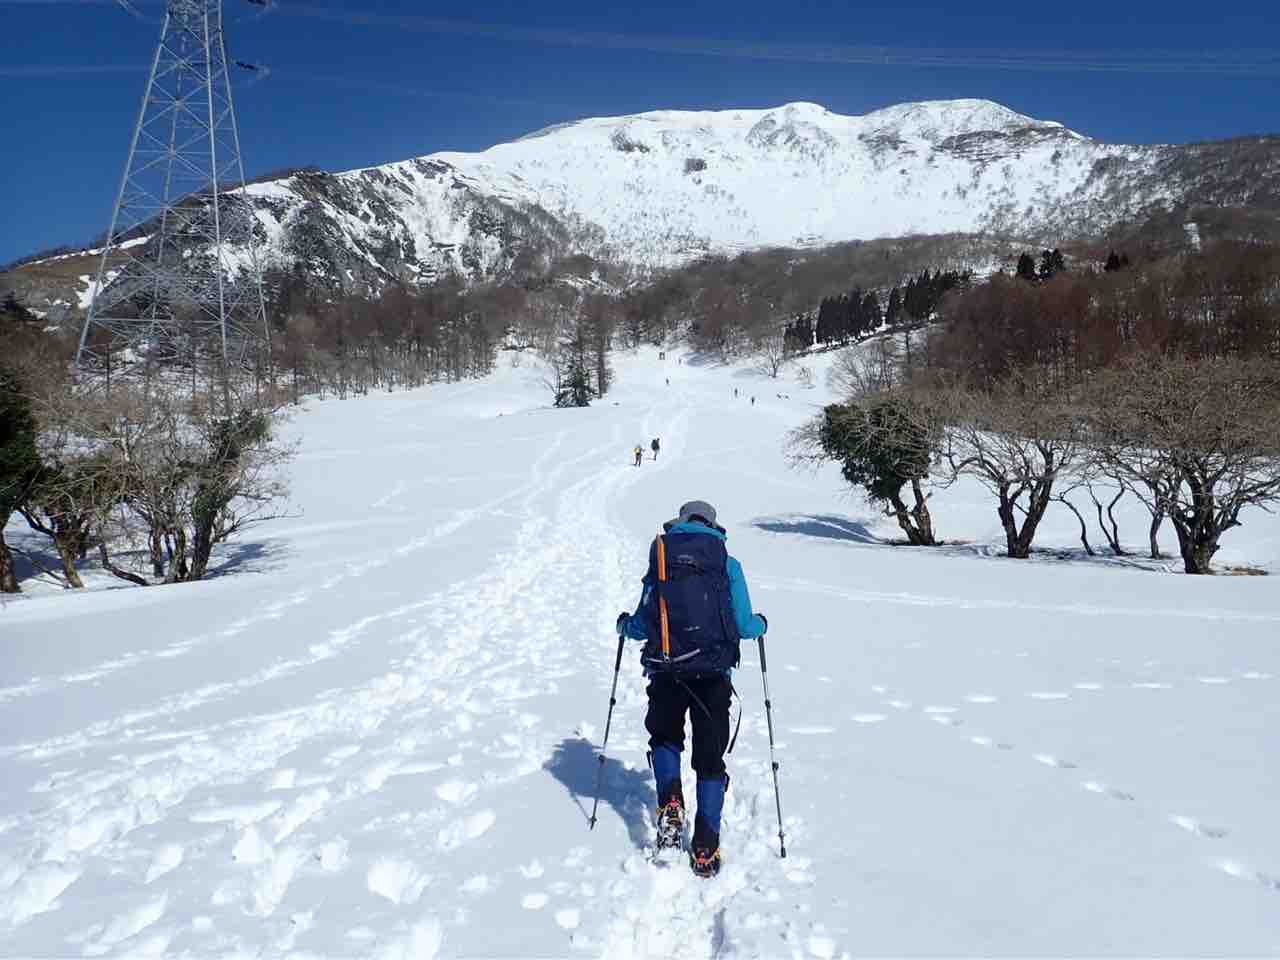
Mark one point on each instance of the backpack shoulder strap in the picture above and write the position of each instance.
(662, 600)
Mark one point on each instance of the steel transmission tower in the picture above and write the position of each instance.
(179, 281)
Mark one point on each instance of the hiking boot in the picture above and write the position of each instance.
(705, 861)
(671, 824)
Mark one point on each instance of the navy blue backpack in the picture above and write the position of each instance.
(688, 613)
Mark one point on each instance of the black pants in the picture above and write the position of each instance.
(670, 699)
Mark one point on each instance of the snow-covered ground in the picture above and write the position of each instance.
(376, 734)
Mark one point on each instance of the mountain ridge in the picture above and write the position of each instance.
(663, 188)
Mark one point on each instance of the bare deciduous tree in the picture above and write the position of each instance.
(143, 468)
(1016, 438)
(1201, 439)
(770, 349)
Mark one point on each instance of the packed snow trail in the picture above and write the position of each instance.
(377, 735)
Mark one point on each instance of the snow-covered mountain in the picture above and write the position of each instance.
(661, 188)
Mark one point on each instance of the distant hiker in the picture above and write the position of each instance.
(753, 401)
(639, 452)
(735, 391)
(654, 446)
(694, 608)
(668, 381)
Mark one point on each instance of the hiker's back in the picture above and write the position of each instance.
(700, 631)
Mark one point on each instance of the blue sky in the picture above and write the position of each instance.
(357, 84)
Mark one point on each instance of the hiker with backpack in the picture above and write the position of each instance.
(654, 445)
(694, 608)
(639, 453)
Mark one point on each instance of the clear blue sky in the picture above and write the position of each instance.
(361, 83)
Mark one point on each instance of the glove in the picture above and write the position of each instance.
(764, 620)
(621, 626)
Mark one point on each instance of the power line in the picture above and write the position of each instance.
(1243, 63)
(1258, 62)
(59, 70)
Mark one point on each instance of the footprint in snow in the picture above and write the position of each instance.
(1214, 681)
(456, 792)
(465, 830)
(129, 924)
(1094, 787)
(166, 858)
(336, 757)
(1087, 685)
(1049, 695)
(1236, 869)
(533, 870)
(568, 919)
(868, 717)
(534, 901)
(984, 741)
(1051, 761)
(332, 856)
(1192, 825)
(478, 884)
(400, 881)
(980, 698)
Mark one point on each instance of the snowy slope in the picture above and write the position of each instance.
(377, 737)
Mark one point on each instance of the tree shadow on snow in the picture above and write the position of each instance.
(247, 557)
(996, 550)
(628, 792)
(825, 526)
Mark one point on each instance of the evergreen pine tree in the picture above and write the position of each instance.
(871, 316)
(19, 463)
(1027, 267)
(894, 308)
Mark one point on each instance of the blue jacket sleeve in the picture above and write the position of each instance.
(749, 625)
(635, 624)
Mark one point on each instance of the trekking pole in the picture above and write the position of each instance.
(617, 666)
(768, 712)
